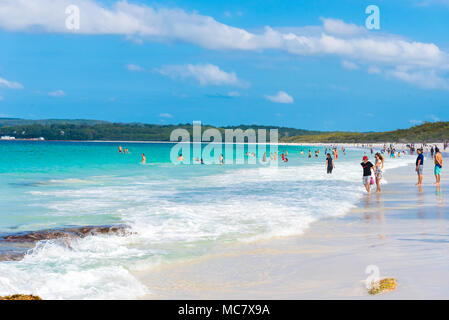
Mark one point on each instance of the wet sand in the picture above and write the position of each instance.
(404, 232)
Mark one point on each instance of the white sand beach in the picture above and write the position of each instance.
(404, 232)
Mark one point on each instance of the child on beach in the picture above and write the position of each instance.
(367, 167)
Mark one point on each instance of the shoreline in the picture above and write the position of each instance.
(402, 231)
(316, 144)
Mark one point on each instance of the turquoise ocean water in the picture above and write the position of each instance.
(175, 211)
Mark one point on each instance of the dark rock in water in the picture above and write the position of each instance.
(14, 246)
(71, 232)
(11, 256)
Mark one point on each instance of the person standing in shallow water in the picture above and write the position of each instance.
(419, 166)
(329, 163)
(264, 158)
(438, 165)
(144, 159)
(367, 167)
(378, 169)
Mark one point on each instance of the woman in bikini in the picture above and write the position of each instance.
(378, 168)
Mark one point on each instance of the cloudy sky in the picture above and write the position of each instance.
(304, 64)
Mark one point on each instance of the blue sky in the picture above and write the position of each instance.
(316, 66)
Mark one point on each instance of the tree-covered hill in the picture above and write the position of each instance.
(120, 131)
(427, 132)
(53, 129)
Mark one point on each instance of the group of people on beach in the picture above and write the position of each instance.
(377, 167)
(438, 164)
(368, 167)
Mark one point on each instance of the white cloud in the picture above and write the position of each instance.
(234, 94)
(349, 65)
(280, 97)
(335, 26)
(434, 118)
(374, 70)
(231, 94)
(128, 19)
(10, 84)
(142, 22)
(205, 74)
(427, 79)
(57, 93)
(415, 122)
(134, 39)
(134, 67)
(165, 115)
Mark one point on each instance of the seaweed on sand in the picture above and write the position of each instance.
(382, 286)
(21, 297)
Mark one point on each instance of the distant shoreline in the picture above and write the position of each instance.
(360, 144)
(316, 144)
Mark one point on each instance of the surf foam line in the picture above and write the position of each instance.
(171, 220)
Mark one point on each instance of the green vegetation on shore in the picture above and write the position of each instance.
(53, 129)
(427, 132)
(79, 130)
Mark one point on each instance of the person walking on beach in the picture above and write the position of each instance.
(419, 166)
(438, 165)
(329, 164)
(378, 168)
(367, 167)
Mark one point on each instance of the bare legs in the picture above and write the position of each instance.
(437, 179)
(378, 185)
(367, 187)
(419, 180)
